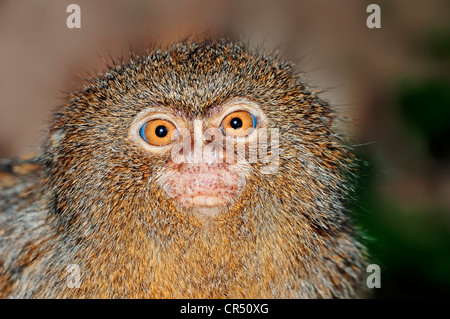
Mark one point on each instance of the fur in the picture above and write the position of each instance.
(92, 199)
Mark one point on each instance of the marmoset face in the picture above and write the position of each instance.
(205, 170)
(195, 129)
(210, 157)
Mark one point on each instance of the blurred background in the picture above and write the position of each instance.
(392, 86)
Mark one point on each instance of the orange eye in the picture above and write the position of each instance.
(159, 132)
(239, 124)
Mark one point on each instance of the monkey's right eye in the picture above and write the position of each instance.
(159, 132)
(238, 124)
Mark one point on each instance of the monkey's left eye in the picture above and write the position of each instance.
(238, 124)
(159, 132)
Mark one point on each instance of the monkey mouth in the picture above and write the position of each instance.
(205, 192)
(203, 185)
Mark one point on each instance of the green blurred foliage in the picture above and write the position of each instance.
(438, 43)
(409, 237)
(424, 105)
(411, 247)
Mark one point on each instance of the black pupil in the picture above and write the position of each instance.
(236, 123)
(161, 131)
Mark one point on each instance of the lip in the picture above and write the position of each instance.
(202, 185)
(205, 191)
(202, 200)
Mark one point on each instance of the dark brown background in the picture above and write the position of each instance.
(392, 82)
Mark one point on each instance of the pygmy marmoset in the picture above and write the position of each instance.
(152, 184)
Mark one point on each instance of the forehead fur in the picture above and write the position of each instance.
(192, 77)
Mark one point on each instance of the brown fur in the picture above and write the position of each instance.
(94, 204)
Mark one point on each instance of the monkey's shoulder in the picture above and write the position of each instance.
(23, 227)
(18, 172)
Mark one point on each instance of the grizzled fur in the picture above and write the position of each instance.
(90, 199)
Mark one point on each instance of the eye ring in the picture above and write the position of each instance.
(238, 124)
(142, 132)
(158, 132)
